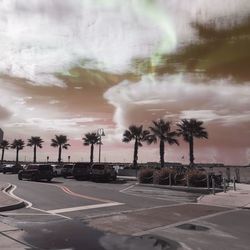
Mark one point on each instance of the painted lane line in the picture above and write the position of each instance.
(125, 189)
(48, 212)
(68, 191)
(11, 194)
(30, 205)
(132, 211)
(73, 209)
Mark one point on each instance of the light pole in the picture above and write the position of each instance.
(100, 133)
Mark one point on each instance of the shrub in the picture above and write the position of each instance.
(180, 179)
(146, 175)
(162, 176)
(197, 178)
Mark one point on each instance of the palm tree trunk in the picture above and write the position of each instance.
(17, 155)
(34, 160)
(60, 154)
(2, 155)
(162, 147)
(135, 153)
(191, 151)
(92, 153)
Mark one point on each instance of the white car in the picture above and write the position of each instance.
(57, 170)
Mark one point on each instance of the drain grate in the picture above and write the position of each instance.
(192, 227)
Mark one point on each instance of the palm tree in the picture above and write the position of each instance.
(161, 130)
(35, 141)
(17, 144)
(91, 139)
(4, 145)
(60, 141)
(190, 129)
(137, 134)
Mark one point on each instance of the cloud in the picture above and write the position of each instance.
(179, 97)
(4, 113)
(63, 125)
(43, 39)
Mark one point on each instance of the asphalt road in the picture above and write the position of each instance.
(70, 214)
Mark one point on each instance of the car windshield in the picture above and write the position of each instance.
(81, 165)
(99, 167)
(44, 167)
(32, 167)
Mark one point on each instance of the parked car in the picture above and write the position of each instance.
(57, 170)
(82, 170)
(36, 172)
(104, 172)
(67, 170)
(12, 168)
(1, 167)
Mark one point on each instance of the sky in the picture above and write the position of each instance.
(75, 66)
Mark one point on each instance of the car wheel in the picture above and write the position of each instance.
(65, 176)
(49, 179)
(4, 172)
(20, 177)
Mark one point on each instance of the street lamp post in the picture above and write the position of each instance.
(100, 133)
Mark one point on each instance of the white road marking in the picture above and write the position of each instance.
(29, 204)
(11, 194)
(133, 211)
(73, 209)
(123, 190)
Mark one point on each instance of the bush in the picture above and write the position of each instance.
(146, 175)
(162, 176)
(180, 179)
(197, 178)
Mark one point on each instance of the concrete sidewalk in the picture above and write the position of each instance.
(8, 203)
(233, 199)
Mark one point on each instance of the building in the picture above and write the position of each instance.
(1, 135)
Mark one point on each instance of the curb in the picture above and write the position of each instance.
(182, 188)
(20, 204)
(245, 207)
(127, 178)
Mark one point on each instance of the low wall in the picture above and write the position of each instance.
(127, 172)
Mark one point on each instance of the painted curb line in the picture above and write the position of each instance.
(14, 206)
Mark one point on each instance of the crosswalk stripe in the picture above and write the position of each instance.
(73, 209)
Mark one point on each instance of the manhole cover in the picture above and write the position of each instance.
(193, 227)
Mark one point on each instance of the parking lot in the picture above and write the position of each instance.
(117, 208)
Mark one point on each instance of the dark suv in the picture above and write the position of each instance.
(36, 172)
(67, 170)
(104, 172)
(82, 170)
(12, 168)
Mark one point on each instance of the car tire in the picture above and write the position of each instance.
(49, 179)
(20, 177)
